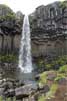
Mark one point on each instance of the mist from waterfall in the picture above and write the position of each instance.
(25, 61)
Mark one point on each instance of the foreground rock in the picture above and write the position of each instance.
(10, 88)
(25, 92)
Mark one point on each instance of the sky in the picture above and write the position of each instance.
(26, 6)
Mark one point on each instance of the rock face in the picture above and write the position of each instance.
(49, 29)
(10, 29)
(9, 70)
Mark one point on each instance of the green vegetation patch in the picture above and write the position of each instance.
(54, 64)
(1, 99)
(7, 99)
(41, 98)
(59, 76)
(50, 94)
(63, 69)
(63, 4)
(8, 58)
(52, 91)
(43, 78)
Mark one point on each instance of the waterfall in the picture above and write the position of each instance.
(25, 61)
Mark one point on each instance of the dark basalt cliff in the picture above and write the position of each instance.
(10, 29)
(49, 29)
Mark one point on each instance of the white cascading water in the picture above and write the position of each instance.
(25, 61)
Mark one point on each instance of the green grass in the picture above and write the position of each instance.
(1, 99)
(43, 78)
(63, 69)
(41, 98)
(59, 76)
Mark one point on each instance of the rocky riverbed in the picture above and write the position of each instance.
(49, 86)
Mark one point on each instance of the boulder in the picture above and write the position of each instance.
(24, 91)
(43, 89)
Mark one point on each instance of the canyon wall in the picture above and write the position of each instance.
(10, 29)
(48, 29)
